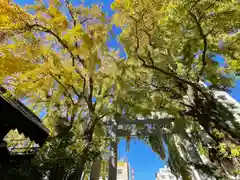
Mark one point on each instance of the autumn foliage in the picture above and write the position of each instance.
(56, 57)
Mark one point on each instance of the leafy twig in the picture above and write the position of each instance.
(47, 30)
(59, 82)
(74, 24)
(144, 64)
(204, 37)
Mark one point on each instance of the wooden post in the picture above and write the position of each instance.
(112, 174)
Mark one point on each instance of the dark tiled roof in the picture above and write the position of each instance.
(24, 119)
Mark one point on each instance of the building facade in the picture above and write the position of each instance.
(124, 171)
(165, 174)
(234, 107)
(229, 102)
(15, 115)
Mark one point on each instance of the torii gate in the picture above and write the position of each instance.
(119, 131)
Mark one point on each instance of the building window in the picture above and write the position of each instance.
(171, 176)
(162, 177)
(222, 97)
(231, 105)
(119, 171)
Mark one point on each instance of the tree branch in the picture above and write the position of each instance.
(65, 46)
(180, 79)
(85, 20)
(69, 95)
(153, 67)
(149, 38)
(75, 91)
(194, 4)
(45, 29)
(204, 37)
(74, 24)
(105, 115)
(207, 8)
(71, 119)
(70, 12)
(42, 101)
(108, 95)
(36, 80)
(138, 43)
(90, 95)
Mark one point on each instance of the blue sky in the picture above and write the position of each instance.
(141, 158)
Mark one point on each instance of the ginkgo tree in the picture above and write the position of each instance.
(68, 73)
(12, 17)
(56, 56)
(174, 46)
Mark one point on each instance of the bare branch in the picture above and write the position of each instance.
(85, 20)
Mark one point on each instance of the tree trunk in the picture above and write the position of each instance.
(112, 174)
(77, 174)
(95, 170)
(88, 136)
(57, 173)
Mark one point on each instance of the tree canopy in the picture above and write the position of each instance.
(56, 57)
(65, 71)
(178, 44)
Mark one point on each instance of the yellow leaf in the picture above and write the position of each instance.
(67, 65)
(95, 10)
(87, 41)
(82, 52)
